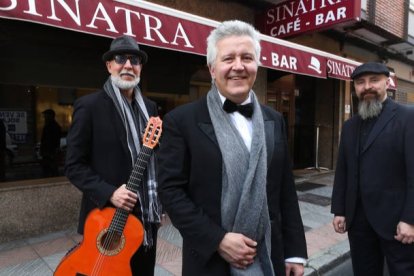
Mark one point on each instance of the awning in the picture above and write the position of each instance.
(159, 26)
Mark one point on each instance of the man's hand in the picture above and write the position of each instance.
(238, 250)
(339, 224)
(405, 233)
(294, 269)
(124, 198)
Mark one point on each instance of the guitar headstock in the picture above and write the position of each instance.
(152, 132)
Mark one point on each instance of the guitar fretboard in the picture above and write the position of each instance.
(134, 182)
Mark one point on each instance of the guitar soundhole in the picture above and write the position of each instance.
(110, 242)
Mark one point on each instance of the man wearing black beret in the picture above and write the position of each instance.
(373, 193)
(103, 145)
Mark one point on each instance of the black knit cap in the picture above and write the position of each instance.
(370, 67)
(125, 45)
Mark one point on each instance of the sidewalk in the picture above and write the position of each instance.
(39, 256)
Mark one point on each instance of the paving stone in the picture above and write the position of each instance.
(33, 268)
(312, 208)
(159, 271)
(325, 191)
(40, 255)
(315, 220)
(12, 245)
(52, 261)
(306, 186)
(171, 234)
(17, 255)
(315, 199)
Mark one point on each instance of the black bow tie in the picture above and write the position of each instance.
(246, 110)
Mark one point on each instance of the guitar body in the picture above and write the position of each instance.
(103, 253)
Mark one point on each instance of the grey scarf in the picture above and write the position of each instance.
(244, 201)
(149, 202)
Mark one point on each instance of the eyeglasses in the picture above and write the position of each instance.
(121, 59)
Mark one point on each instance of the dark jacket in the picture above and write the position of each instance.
(98, 160)
(190, 189)
(382, 174)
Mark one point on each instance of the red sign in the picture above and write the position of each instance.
(114, 18)
(297, 16)
(163, 27)
(340, 68)
(289, 59)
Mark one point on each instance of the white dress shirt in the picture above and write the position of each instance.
(245, 127)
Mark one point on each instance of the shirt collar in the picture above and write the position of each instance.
(248, 100)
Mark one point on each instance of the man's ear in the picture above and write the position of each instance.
(109, 66)
(387, 82)
(212, 71)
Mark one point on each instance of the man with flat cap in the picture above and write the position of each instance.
(373, 193)
(103, 144)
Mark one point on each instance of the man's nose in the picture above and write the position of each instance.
(366, 85)
(128, 63)
(238, 64)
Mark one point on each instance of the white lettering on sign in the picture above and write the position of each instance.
(288, 62)
(339, 68)
(13, 5)
(101, 9)
(297, 8)
(321, 18)
(75, 17)
(181, 34)
(32, 8)
(15, 122)
(128, 19)
(296, 16)
(99, 17)
(155, 28)
(285, 29)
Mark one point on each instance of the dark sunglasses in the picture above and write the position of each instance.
(121, 59)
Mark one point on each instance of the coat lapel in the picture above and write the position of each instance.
(269, 126)
(387, 114)
(206, 126)
(204, 121)
(356, 132)
(117, 123)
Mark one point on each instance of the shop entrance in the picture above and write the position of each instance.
(281, 97)
(308, 106)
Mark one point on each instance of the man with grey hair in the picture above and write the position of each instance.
(373, 193)
(103, 145)
(225, 175)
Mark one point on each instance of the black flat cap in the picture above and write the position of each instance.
(370, 67)
(125, 45)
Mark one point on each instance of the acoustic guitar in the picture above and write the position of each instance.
(112, 235)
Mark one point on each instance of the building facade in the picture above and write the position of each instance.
(52, 55)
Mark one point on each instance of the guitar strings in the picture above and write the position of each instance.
(121, 215)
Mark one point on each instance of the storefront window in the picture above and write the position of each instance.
(22, 111)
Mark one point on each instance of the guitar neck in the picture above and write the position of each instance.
(136, 176)
(134, 182)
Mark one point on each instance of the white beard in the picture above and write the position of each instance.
(124, 84)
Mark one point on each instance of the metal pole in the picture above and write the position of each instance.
(317, 153)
